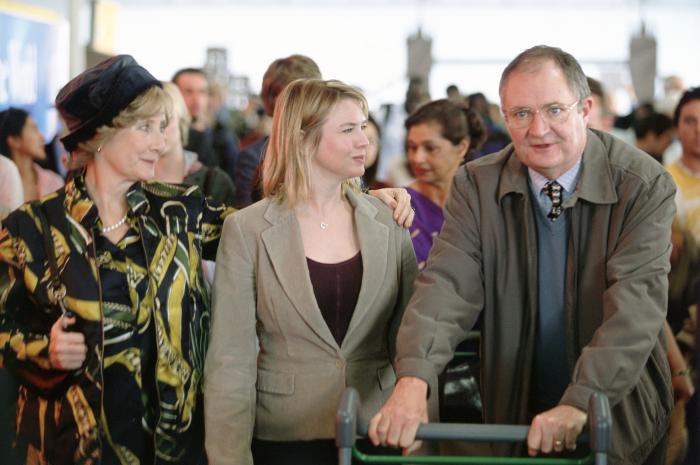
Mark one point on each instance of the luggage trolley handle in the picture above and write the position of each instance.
(348, 426)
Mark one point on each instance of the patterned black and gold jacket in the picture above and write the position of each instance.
(60, 415)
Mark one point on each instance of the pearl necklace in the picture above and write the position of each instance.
(116, 225)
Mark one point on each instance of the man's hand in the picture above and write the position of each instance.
(555, 429)
(398, 420)
(67, 349)
(683, 388)
(398, 199)
(677, 246)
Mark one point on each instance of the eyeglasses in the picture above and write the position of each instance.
(554, 113)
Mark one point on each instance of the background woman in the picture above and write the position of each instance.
(440, 134)
(21, 141)
(11, 192)
(321, 272)
(178, 165)
(374, 135)
(117, 379)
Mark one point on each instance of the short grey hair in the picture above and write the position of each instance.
(532, 58)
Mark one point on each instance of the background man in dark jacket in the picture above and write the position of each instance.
(214, 142)
(281, 72)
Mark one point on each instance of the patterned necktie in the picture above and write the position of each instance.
(553, 191)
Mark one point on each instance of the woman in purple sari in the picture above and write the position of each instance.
(440, 135)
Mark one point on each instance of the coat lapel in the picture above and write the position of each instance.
(286, 252)
(374, 243)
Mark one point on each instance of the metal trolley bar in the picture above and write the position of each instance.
(348, 427)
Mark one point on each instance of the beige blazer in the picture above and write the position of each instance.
(290, 389)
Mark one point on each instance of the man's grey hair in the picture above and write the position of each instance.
(531, 60)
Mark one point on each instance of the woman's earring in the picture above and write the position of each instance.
(99, 149)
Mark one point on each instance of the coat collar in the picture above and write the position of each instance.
(595, 183)
(374, 244)
(82, 211)
(285, 249)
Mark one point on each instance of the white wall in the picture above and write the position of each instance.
(365, 45)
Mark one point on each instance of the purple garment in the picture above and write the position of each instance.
(426, 225)
(337, 287)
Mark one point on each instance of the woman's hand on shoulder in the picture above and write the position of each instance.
(399, 200)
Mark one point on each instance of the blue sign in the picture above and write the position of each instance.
(33, 64)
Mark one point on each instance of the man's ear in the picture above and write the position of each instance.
(586, 105)
(464, 146)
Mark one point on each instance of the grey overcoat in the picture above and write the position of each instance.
(485, 262)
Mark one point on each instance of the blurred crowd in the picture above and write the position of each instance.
(247, 160)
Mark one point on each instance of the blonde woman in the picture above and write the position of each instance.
(321, 272)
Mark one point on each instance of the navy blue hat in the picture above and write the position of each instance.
(97, 95)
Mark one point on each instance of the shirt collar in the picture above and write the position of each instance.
(82, 208)
(566, 180)
(595, 185)
(684, 168)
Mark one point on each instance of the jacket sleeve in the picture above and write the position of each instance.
(448, 294)
(230, 371)
(407, 276)
(213, 216)
(243, 174)
(25, 324)
(635, 301)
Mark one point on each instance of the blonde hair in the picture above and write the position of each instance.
(179, 110)
(297, 125)
(151, 102)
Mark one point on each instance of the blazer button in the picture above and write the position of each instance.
(339, 364)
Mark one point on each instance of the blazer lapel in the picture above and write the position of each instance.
(286, 251)
(374, 243)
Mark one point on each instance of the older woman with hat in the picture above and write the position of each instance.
(104, 316)
(103, 313)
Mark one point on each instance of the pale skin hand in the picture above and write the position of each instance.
(67, 350)
(683, 388)
(397, 421)
(562, 423)
(399, 200)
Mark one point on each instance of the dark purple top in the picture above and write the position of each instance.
(336, 287)
(426, 225)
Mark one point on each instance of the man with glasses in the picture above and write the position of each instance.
(560, 243)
